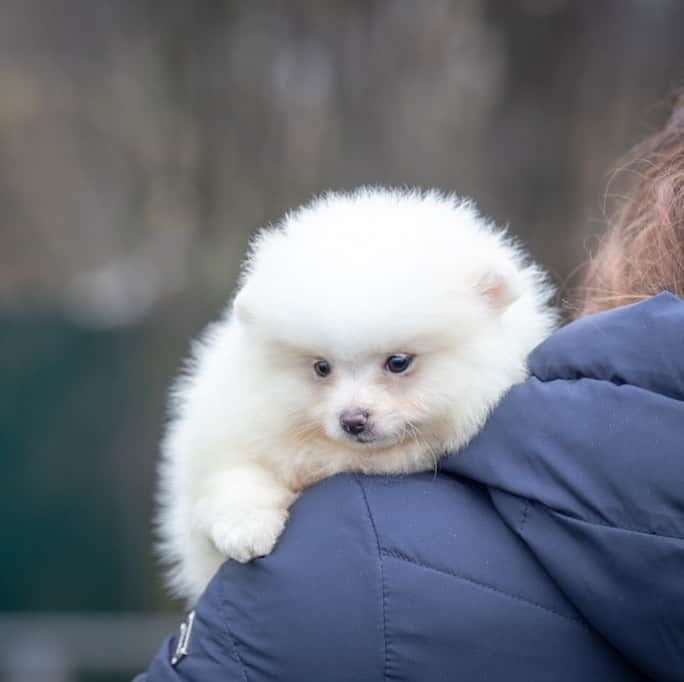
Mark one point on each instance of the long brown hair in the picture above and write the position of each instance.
(643, 251)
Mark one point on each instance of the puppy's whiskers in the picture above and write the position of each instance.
(426, 444)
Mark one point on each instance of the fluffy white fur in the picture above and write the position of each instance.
(351, 279)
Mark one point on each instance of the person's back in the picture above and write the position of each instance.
(551, 548)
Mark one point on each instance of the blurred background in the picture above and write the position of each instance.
(143, 141)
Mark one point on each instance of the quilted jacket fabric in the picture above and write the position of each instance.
(552, 548)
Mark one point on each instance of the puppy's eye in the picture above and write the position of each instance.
(398, 363)
(322, 368)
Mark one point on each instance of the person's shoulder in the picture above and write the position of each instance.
(375, 574)
(329, 581)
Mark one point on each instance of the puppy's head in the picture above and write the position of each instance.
(388, 317)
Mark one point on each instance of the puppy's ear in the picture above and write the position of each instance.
(500, 285)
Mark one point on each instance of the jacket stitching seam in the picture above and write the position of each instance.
(402, 557)
(604, 524)
(231, 639)
(529, 503)
(382, 576)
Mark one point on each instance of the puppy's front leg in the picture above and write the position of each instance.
(243, 511)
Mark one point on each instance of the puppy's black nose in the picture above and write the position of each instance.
(354, 422)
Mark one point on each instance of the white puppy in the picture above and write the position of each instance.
(371, 332)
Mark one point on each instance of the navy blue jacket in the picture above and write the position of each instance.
(552, 548)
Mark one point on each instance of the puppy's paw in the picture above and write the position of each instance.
(243, 511)
(246, 534)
